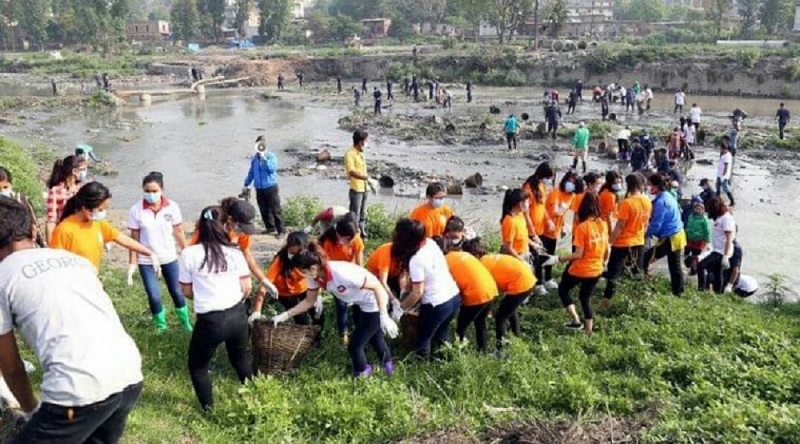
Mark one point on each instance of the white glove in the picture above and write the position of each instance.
(156, 264)
(373, 185)
(388, 326)
(108, 246)
(255, 316)
(552, 260)
(28, 415)
(397, 310)
(726, 262)
(271, 289)
(729, 288)
(131, 271)
(318, 307)
(308, 229)
(283, 317)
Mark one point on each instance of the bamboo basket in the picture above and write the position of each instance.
(278, 350)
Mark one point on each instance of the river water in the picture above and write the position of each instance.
(202, 146)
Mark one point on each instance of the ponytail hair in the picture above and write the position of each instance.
(345, 227)
(294, 239)
(63, 168)
(212, 236)
(90, 196)
(511, 199)
(474, 247)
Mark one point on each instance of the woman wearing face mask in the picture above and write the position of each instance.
(67, 177)
(214, 274)
(514, 229)
(723, 234)
(7, 190)
(290, 282)
(558, 203)
(586, 263)
(352, 285)
(513, 278)
(431, 284)
(156, 222)
(381, 265)
(609, 198)
(537, 187)
(84, 230)
(343, 243)
(433, 214)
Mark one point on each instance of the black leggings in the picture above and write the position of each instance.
(210, 330)
(544, 274)
(568, 282)
(619, 258)
(367, 331)
(304, 318)
(712, 265)
(476, 314)
(507, 314)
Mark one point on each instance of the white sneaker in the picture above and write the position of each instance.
(539, 290)
(551, 285)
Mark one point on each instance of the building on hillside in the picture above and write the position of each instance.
(588, 17)
(693, 4)
(376, 28)
(229, 25)
(147, 31)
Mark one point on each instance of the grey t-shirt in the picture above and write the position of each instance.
(58, 304)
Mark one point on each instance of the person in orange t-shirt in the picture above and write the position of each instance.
(387, 271)
(536, 186)
(433, 214)
(514, 229)
(586, 263)
(342, 242)
(627, 239)
(514, 278)
(590, 183)
(609, 198)
(84, 230)
(559, 201)
(478, 290)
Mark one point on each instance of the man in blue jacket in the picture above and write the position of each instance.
(667, 227)
(263, 175)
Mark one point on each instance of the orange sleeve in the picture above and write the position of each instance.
(58, 240)
(448, 213)
(244, 241)
(550, 203)
(110, 234)
(508, 230)
(274, 269)
(358, 245)
(624, 211)
(579, 237)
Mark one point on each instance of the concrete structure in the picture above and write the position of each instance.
(693, 4)
(147, 31)
(376, 28)
(796, 26)
(588, 17)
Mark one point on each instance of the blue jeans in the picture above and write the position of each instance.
(153, 288)
(434, 325)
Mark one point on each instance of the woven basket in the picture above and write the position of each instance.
(408, 329)
(278, 350)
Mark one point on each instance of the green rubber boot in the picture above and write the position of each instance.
(183, 317)
(161, 321)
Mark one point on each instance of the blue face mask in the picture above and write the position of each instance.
(437, 203)
(616, 187)
(82, 174)
(99, 215)
(569, 187)
(152, 198)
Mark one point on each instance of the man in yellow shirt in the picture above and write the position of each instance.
(355, 168)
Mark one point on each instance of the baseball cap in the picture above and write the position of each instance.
(244, 215)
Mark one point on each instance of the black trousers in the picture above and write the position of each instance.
(101, 422)
(507, 315)
(377, 107)
(711, 267)
(211, 330)
(781, 128)
(367, 331)
(673, 260)
(269, 205)
(568, 282)
(544, 274)
(511, 138)
(619, 257)
(476, 314)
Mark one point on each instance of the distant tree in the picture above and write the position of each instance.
(212, 16)
(473, 11)
(556, 17)
(748, 11)
(772, 14)
(185, 19)
(243, 8)
(32, 15)
(641, 10)
(274, 17)
(507, 15)
(715, 11)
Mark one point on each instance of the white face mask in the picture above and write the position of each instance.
(99, 215)
(7, 192)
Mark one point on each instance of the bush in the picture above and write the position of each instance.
(601, 130)
(24, 171)
(380, 224)
(299, 211)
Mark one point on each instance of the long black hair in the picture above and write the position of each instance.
(294, 239)
(90, 196)
(590, 207)
(345, 227)
(611, 177)
(310, 256)
(474, 247)
(406, 241)
(543, 171)
(568, 176)
(63, 168)
(511, 199)
(716, 207)
(5, 175)
(212, 236)
(634, 182)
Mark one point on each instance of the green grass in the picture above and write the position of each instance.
(701, 367)
(24, 163)
(78, 65)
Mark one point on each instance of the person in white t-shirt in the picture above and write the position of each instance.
(722, 235)
(351, 284)
(648, 96)
(431, 284)
(680, 100)
(215, 275)
(156, 222)
(92, 370)
(746, 286)
(724, 169)
(623, 141)
(694, 116)
(688, 131)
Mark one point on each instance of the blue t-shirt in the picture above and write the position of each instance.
(511, 125)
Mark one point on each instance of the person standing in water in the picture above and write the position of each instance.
(377, 95)
(389, 95)
(580, 143)
(782, 116)
(364, 85)
(280, 81)
(680, 100)
(511, 129)
(339, 84)
(469, 91)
